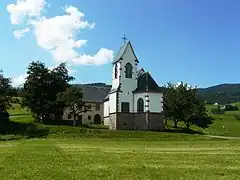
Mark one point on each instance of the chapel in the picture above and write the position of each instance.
(135, 101)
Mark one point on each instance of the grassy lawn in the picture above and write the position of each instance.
(227, 124)
(92, 152)
(17, 110)
(92, 158)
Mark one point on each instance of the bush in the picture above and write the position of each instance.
(229, 107)
(217, 110)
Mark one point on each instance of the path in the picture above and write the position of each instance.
(223, 137)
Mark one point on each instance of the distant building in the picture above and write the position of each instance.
(93, 96)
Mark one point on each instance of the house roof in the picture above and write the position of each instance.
(94, 93)
(147, 83)
(122, 51)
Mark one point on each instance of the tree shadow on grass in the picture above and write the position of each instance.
(172, 129)
(15, 130)
(70, 123)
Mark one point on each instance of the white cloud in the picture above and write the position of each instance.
(58, 34)
(102, 57)
(19, 80)
(25, 9)
(19, 33)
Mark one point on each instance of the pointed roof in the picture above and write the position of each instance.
(122, 51)
(147, 83)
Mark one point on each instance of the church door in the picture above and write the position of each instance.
(97, 119)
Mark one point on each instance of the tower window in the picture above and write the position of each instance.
(128, 72)
(140, 105)
(116, 71)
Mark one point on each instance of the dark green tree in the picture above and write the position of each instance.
(72, 98)
(35, 90)
(182, 104)
(5, 99)
(41, 88)
(5, 90)
(59, 83)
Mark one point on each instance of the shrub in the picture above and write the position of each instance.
(229, 107)
(217, 110)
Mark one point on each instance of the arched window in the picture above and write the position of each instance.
(128, 71)
(140, 105)
(116, 71)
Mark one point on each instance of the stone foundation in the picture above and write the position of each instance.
(125, 121)
(156, 121)
(137, 121)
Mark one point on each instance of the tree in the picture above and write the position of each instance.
(59, 83)
(36, 90)
(41, 88)
(5, 90)
(182, 104)
(72, 98)
(5, 99)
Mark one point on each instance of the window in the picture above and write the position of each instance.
(128, 72)
(97, 106)
(116, 71)
(80, 117)
(140, 105)
(69, 116)
(125, 106)
(89, 117)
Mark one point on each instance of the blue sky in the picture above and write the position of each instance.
(175, 40)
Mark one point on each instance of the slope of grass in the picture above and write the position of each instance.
(227, 124)
(17, 110)
(109, 159)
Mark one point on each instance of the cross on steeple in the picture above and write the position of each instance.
(124, 38)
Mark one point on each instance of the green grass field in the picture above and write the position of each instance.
(92, 158)
(63, 152)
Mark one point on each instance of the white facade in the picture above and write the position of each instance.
(113, 102)
(123, 87)
(155, 102)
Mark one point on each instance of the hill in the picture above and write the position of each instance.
(222, 94)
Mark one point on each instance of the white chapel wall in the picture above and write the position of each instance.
(115, 82)
(112, 102)
(156, 102)
(106, 109)
(128, 84)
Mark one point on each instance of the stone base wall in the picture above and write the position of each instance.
(140, 121)
(125, 121)
(156, 121)
(137, 121)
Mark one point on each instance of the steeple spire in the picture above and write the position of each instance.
(124, 39)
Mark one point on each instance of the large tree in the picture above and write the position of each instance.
(41, 88)
(72, 98)
(182, 104)
(5, 90)
(5, 99)
(59, 83)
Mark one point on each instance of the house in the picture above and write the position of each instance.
(135, 101)
(92, 96)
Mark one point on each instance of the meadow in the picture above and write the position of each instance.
(88, 152)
